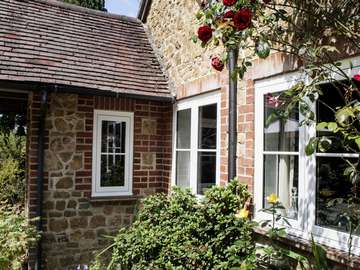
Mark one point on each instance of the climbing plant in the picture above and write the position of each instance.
(316, 34)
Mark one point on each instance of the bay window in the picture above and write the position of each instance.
(196, 142)
(306, 185)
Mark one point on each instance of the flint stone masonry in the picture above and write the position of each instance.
(74, 224)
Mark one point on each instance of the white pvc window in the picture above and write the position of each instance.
(196, 162)
(112, 153)
(305, 184)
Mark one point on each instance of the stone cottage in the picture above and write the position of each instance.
(119, 108)
(99, 121)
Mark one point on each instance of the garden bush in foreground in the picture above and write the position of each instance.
(181, 231)
(16, 235)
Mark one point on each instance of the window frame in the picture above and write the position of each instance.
(194, 103)
(99, 117)
(305, 226)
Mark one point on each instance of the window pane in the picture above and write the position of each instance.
(329, 101)
(183, 130)
(183, 168)
(281, 178)
(112, 170)
(206, 171)
(332, 184)
(207, 126)
(280, 135)
(113, 137)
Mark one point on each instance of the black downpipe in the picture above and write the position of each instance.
(233, 53)
(40, 175)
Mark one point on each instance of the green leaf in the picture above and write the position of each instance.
(332, 126)
(311, 146)
(273, 117)
(321, 126)
(319, 256)
(357, 141)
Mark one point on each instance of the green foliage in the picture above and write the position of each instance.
(320, 260)
(181, 231)
(94, 4)
(16, 235)
(12, 168)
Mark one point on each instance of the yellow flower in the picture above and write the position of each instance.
(273, 198)
(243, 213)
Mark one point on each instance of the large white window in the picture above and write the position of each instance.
(196, 162)
(112, 153)
(305, 184)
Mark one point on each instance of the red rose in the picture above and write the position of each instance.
(228, 15)
(205, 33)
(217, 63)
(229, 2)
(357, 77)
(242, 19)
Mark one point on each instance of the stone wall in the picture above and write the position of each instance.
(74, 223)
(171, 26)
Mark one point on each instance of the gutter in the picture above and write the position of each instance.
(144, 10)
(40, 175)
(34, 86)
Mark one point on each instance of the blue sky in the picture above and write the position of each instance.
(123, 7)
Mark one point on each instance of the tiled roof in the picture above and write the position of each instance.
(51, 42)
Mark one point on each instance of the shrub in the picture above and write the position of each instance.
(182, 232)
(12, 163)
(16, 235)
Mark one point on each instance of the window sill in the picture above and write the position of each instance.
(115, 198)
(304, 246)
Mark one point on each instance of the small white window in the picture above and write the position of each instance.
(112, 153)
(197, 142)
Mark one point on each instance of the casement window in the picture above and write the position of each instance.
(112, 153)
(306, 185)
(196, 162)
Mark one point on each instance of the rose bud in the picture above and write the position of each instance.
(217, 63)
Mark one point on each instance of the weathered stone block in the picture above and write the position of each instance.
(108, 209)
(54, 214)
(60, 125)
(85, 213)
(58, 225)
(48, 205)
(71, 204)
(84, 205)
(115, 221)
(61, 195)
(76, 236)
(65, 183)
(65, 156)
(78, 223)
(97, 221)
(148, 161)
(149, 126)
(77, 162)
(69, 213)
(89, 235)
(60, 205)
(52, 162)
